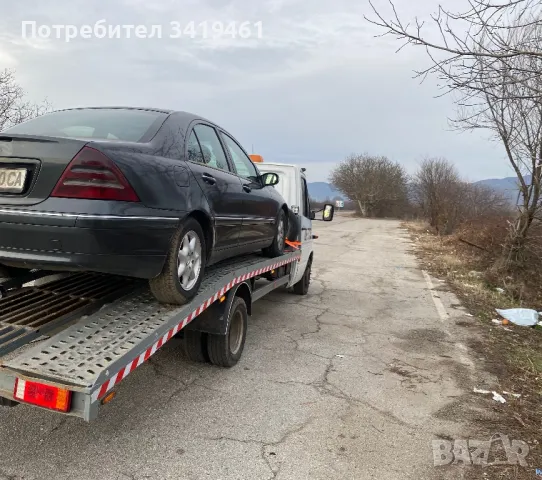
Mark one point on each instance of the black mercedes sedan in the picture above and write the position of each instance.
(140, 192)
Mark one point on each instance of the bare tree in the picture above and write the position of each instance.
(492, 56)
(482, 201)
(511, 111)
(456, 41)
(14, 108)
(376, 184)
(446, 200)
(438, 191)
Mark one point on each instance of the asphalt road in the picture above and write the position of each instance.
(352, 381)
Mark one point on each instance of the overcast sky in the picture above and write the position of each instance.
(316, 87)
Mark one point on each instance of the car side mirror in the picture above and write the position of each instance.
(329, 211)
(269, 179)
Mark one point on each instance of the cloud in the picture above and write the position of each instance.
(317, 86)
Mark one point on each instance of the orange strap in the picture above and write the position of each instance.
(295, 245)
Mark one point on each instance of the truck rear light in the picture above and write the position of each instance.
(92, 175)
(46, 396)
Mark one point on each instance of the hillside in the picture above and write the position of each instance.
(321, 190)
(508, 186)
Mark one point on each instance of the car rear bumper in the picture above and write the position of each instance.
(131, 246)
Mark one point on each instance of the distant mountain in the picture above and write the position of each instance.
(508, 186)
(321, 190)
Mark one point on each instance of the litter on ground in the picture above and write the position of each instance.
(525, 317)
(516, 395)
(498, 398)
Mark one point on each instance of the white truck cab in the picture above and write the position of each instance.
(292, 186)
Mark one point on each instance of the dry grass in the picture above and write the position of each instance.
(468, 271)
(514, 356)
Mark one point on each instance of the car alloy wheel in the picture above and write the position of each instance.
(189, 260)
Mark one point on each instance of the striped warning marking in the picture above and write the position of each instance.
(143, 357)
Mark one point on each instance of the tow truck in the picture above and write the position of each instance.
(68, 340)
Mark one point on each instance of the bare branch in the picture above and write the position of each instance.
(14, 108)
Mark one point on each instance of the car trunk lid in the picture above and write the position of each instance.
(30, 166)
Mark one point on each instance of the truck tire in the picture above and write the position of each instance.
(168, 286)
(4, 272)
(194, 345)
(5, 402)
(302, 287)
(226, 350)
(276, 249)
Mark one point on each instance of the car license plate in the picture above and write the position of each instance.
(12, 179)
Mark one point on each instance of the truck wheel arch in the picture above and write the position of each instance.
(245, 293)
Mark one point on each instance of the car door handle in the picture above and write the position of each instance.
(247, 189)
(208, 179)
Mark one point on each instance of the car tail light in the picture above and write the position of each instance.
(42, 395)
(92, 175)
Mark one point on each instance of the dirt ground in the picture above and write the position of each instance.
(512, 355)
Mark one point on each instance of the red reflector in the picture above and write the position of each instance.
(92, 175)
(43, 395)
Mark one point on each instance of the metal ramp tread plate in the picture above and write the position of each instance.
(96, 348)
(33, 311)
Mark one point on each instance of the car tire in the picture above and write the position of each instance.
(226, 350)
(188, 247)
(276, 249)
(302, 287)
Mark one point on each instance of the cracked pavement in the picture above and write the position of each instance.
(351, 382)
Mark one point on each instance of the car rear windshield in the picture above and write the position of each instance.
(100, 123)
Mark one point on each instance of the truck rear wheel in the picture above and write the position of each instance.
(226, 350)
(194, 346)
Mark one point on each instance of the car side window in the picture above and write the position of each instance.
(194, 149)
(306, 201)
(211, 148)
(244, 166)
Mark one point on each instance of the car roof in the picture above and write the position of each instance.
(148, 109)
(185, 118)
(184, 115)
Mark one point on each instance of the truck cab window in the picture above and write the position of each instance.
(306, 207)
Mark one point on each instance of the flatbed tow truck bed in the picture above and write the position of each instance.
(85, 355)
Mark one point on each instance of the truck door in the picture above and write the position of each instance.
(306, 225)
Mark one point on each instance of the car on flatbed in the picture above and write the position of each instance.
(145, 193)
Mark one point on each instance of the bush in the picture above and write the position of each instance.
(377, 185)
(446, 201)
